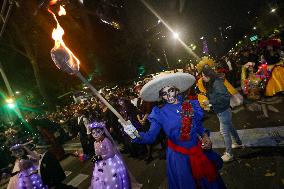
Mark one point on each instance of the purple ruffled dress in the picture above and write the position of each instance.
(109, 173)
(28, 176)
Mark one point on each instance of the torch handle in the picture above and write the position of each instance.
(94, 90)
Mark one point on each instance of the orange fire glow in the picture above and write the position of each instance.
(52, 2)
(61, 11)
(57, 35)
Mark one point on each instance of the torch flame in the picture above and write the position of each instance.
(57, 35)
(52, 2)
(61, 11)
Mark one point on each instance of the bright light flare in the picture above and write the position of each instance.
(175, 35)
(273, 10)
(170, 29)
(11, 106)
(9, 100)
(62, 11)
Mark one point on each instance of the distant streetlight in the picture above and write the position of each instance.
(245, 36)
(158, 59)
(179, 60)
(273, 10)
(254, 28)
(17, 92)
(175, 35)
(10, 103)
(202, 37)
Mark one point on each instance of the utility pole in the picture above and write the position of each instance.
(11, 94)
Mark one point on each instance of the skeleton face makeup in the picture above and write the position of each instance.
(97, 133)
(18, 153)
(169, 94)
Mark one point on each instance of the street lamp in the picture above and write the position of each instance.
(179, 60)
(158, 59)
(10, 103)
(254, 28)
(175, 35)
(273, 10)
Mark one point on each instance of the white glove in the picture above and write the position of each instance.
(129, 129)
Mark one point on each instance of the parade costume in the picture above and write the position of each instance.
(235, 99)
(188, 165)
(109, 170)
(28, 176)
(251, 83)
(272, 69)
(275, 83)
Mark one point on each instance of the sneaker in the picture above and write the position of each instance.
(227, 157)
(237, 146)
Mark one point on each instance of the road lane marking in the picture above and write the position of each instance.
(67, 173)
(76, 181)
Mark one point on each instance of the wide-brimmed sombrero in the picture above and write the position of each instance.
(150, 91)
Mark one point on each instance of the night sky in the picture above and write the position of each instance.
(108, 52)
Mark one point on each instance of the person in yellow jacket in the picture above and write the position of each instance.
(236, 98)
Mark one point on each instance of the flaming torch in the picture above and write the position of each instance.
(66, 61)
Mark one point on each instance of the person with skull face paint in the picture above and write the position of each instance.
(26, 169)
(109, 169)
(191, 163)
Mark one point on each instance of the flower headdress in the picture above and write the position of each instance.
(97, 124)
(205, 61)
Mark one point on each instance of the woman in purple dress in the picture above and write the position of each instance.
(109, 170)
(25, 171)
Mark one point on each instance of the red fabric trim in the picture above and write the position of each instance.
(201, 166)
(186, 120)
(192, 97)
(222, 70)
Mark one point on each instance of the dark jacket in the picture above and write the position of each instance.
(218, 96)
(50, 170)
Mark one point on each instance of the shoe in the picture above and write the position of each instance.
(237, 146)
(227, 157)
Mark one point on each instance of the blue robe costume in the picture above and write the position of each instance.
(179, 171)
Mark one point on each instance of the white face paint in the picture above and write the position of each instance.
(169, 94)
(18, 153)
(97, 133)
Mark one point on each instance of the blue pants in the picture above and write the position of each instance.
(227, 129)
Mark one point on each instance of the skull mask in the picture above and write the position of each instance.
(169, 94)
(97, 133)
